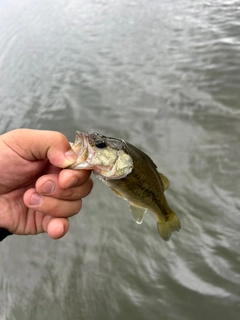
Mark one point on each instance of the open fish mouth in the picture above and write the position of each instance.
(84, 150)
(81, 148)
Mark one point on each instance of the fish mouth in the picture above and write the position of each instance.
(81, 148)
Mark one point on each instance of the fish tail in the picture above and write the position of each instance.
(166, 227)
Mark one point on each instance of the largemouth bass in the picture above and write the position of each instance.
(130, 173)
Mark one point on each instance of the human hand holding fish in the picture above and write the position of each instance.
(130, 173)
(36, 194)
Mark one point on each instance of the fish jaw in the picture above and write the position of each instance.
(80, 147)
(116, 171)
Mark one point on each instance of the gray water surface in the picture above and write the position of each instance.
(165, 76)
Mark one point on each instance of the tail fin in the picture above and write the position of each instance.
(165, 228)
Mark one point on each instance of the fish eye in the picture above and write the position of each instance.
(101, 144)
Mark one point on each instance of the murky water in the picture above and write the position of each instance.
(165, 76)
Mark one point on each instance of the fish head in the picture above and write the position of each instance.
(107, 157)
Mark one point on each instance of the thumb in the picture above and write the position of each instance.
(35, 145)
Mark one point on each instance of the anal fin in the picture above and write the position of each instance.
(137, 213)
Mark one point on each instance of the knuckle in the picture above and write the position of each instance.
(69, 193)
(60, 137)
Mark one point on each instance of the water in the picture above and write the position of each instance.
(164, 75)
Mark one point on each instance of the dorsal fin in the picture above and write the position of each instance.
(164, 180)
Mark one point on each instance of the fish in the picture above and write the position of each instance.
(130, 173)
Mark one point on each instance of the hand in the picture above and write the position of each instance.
(36, 195)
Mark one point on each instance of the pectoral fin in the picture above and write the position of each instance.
(165, 181)
(137, 213)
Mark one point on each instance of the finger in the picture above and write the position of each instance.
(41, 144)
(70, 178)
(55, 227)
(51, 206)
(49, 185)
(37, 222)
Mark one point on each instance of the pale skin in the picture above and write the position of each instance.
(36, 194)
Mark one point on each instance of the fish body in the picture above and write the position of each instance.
(131, 174)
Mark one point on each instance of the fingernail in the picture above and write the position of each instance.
(35, 199)
(72, 182)
(48, 187)
(71, 155)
